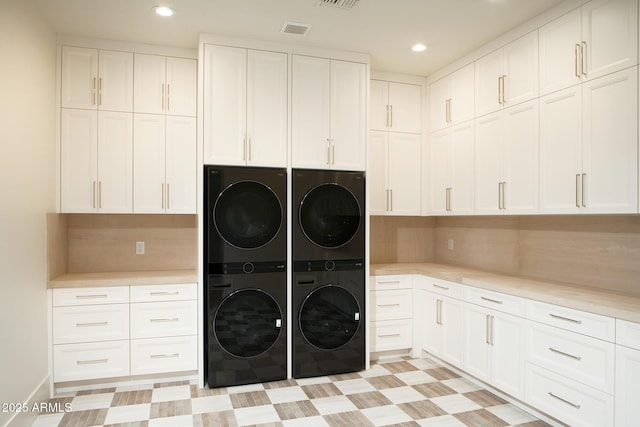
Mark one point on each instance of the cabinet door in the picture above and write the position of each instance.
(405, 102)
(404, 173)
(78, 161)
(149, 163)
(488, 70)
(489, 161)
(507, 345)
(452, 331)
(348, 115)
(115, 162)
(560, 150)
(431, 328)
(461, 106)
(310, 100)
(560, 58)
(379, 92)
(610, 36)
(627, 387)
(267, 100)
(610, 143)
(439, 99)
(440, 170)
(521, 70)
(79, 78)
(115, 81)
(377, 175)
(477, 348)
(180, 165)
(149, 83)
(181, 86)
(225, 95)
(461, 169)
(520, 185)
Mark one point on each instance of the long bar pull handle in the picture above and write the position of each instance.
(164, 356)
(333, 153)
(500, 195)
(391, 116)
(487, 325)
(389, 282)
(565, 354)
(100, 91)
(504, 200)
(387, 117)
(499, 90)
(94, 91)
(91, 362)
(388, 335)
(92, 296)
(162, 97)
(577, 60)
(94, 195)
(584, 182)
(491, 329)
(555, 316)
(495, 301)
(584, 58)
(390, 200)
(564, 400)
(164, 320)
(439, 287)
(164, 293)
(328, 151)
(386, 205)
(91, 324)
(168, 96)
(577, 189)
(448, 110)
(504, 101)
(248, 147)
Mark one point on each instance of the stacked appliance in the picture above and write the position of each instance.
(328, 283)
(245, 275)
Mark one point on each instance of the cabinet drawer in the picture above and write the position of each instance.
(496, 301)
(388, 305)
(399, 281)
(90, 323)
(89, 296)
(163, 293)
(157, 355)
(628, 334)
(72, 362)
(163, 319)
(584, 359)
(569, 401)
(593, 325)
(391, 335)
(442, 287)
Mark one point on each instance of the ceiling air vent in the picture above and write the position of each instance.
(295, 28)
(342, 4)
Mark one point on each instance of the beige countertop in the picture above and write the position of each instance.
(593, 300)
(130, 278)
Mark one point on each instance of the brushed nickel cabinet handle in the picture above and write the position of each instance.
(333, 153)
(94, 91)
(164, 356)
(564, 400)
(500, 195)
(439, 311)
(487, 326)
(164, 320)
(495, 301)
(249, 147)
(565, 354)
(389, 282)
(91, 324)
(577, 189)
(388, 335)
(584, 58)
(577, 60)
(502, 88)
(390, 200)
(328, 151)
(100, 91)
(387, 117)
(555, 316)
(391, 116)
(388, 305)
(491, 329)
(499, 90)
(164, 293)
(439, 287)
(91, 362)
(92, 296)
(94, 195)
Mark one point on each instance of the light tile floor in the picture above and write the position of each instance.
(407, 392)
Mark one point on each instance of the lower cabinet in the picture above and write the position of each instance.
(627, 412)
(391, 318)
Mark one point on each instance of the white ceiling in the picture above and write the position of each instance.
(383, 28)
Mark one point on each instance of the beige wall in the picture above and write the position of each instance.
(591, 250)
(27, 189)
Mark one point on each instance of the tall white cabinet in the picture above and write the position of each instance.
(395, 106)
(451, 99)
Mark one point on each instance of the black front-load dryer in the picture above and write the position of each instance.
(246, 327)
(328, 215)
(328, 302)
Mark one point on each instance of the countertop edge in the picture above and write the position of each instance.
(129, 278)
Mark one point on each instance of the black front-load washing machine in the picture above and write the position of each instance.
(246, 323)
(329, 334)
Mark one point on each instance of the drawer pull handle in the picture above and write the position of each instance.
(164, 356)
(565, 354)
(390, 282)
(388, 305)
(95, 296)
(439, 287)
(564, 400)
(162, 293)
(88, 325)
(175, 319)
(388, 335)
(555, 316)
(91, 362)
(491, 300)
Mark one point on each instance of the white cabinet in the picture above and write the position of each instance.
(391, 313)
(164, 85)
(394, 173)
(329, 99)
(245, 106)
(164, 164)
(97, 79)
(627, 373)
(587, 43)
(589, 147)
(451, 99)
(396, 106)
(452, 163)
(506, 161)
(507, 76)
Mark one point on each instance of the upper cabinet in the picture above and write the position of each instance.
(164, 85)
(451, 99)
(587, 43)
(329, 110)
(396, 107)
(97, 79)
(507, 76)
(245, 106)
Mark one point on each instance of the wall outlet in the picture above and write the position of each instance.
(450, 244)
(139, 248)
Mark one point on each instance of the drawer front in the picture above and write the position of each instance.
(593, 325)
(391, 335)
(388, 305)
(163, 293)
(73, 362)
(628, 334)
(398, 281)
(163, 319)
(442, 287)
(569, 401)
(496, 301)
(158, 355)
(90, 323)
(584, 359)
(89, 296)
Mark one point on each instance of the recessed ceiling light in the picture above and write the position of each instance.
(163, 10)
(418, 47)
